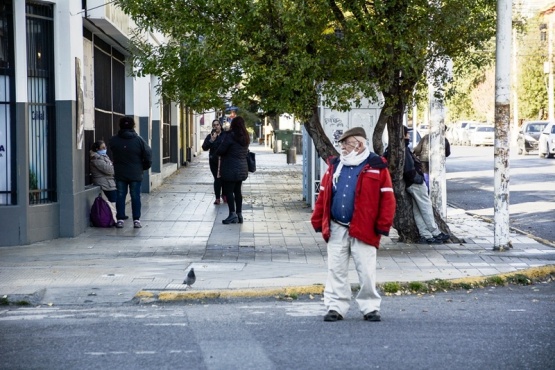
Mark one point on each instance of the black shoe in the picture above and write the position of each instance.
(443, 237)
(240, 218)
(423, 240)
(231, 219)
(333, 316)
(373, 316)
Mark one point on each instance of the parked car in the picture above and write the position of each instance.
(459, 132)
(546, 145)
(466, 133)
(482, 135)
(529, 135)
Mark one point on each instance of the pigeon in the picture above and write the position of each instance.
(191, 278)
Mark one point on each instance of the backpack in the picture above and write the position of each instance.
(101, 214)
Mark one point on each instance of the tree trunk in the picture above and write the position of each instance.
(324, 147)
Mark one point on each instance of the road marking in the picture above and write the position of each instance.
(167, 324)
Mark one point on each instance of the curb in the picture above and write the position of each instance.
(517, 230)
(171, 296)
(144, 296)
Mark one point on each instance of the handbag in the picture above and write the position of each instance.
(251, 161)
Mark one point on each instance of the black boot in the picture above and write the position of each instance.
(231, 219)
(240, 217)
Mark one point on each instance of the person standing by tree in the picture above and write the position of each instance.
(422, 151)
(355, 207)
(233, 167)
(421, 203)
(211, 143)
(131, 156)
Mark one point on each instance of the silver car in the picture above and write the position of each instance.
(546, 147)
(529, 135)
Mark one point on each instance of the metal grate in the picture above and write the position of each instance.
(41, 113)
(8, 177)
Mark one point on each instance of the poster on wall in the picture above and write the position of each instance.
(80, 119)
(88, 85)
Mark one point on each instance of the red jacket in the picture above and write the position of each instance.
(374, 207)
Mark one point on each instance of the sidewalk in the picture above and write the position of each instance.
(274, 247)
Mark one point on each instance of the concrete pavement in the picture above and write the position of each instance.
(275, 248)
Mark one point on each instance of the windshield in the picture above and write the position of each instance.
(537, 127)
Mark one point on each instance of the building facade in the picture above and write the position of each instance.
(65, 82)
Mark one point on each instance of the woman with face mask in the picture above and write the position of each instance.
(102, 170)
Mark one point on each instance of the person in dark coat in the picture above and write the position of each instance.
(233, 167)
(210, 144)
(422, 151)
(132, 156)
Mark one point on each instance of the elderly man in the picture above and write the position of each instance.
(354, 208)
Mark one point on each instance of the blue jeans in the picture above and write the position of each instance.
(134, 192)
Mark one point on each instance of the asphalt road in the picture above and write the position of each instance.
(470, 181)
(493, 328)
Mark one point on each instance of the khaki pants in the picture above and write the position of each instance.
(422, 210)
(337, 294)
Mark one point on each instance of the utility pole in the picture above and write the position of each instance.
(438, 183)
(502, 119)
(514, 76)
(550, 66)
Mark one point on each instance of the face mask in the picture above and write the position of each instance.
(351, 155)
(101, 152)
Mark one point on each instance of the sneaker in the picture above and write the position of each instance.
(333, 316)
(137, 224)
(224, 198)
(443, 237)
(119, 224)
(373, 316)
(217, 201)
(424, 240)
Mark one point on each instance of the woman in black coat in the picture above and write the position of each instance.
(211, 143)
(233, 167)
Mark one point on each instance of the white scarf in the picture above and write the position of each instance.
(349, 161)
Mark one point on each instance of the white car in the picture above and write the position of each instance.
(482, 135)
(546, 147)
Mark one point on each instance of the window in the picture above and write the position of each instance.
(40, 90)
(7, 105)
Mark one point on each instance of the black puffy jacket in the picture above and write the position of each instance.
(233, 166)
(128, 150)
(212, 146)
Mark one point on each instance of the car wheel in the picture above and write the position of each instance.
(548, 154)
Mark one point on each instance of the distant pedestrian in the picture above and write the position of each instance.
(233, 167)
(130, 153)
(102, 170)
(102, 173)
(421, 203)
(422, 151)
(355, 207)
(210, 144)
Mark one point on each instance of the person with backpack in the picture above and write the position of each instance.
(422, 210)
(132, 156)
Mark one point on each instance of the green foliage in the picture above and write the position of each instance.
(417, 286)
(519, 279)
(532, 82)
(495, 280)
(283, 53)
(391, 287)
